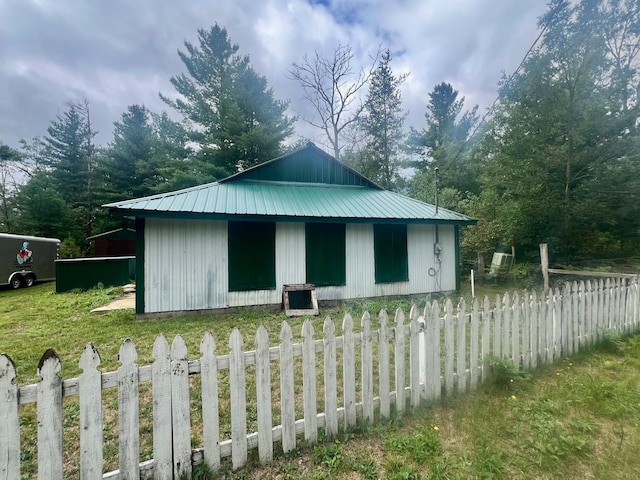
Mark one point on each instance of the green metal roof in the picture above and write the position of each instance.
(307, 185)
(288, 200)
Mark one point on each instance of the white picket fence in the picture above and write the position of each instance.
(432, 354)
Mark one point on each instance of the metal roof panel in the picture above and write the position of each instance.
(287, 199)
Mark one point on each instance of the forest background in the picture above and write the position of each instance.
(556, 158)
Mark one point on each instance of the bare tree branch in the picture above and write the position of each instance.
(332, 87)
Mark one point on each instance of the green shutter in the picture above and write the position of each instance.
(325, 248)
(252, 256)
(390, 252)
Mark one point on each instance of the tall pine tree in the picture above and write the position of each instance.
(236, 121)
(382, 123)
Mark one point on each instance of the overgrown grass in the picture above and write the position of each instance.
(574, 420)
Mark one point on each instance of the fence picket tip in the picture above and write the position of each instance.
(208, 343)
(6, 364)
(178, 348)
(47, 355)
(90, 357)
(127, 353)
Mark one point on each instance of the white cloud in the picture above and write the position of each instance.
(120, 52)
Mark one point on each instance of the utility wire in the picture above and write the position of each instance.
(522, 62)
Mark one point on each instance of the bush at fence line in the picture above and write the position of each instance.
(525, 275)
(506, 373)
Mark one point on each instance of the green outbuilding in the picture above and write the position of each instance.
(303, 218)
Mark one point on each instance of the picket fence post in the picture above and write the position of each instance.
(287, 390)
(309, 383)
(161, 379)
(506, 326)
(263, 395)
(366, 354)
(486, 338)
(475, 343)
(210, 407)
(348, 373)
(9, 421)
(449, 349)
(128, 412)
(414, 355)
(330, 380)
(399, 362)
(180, 409)
(461, 337)
(433, 384)
(516, 336)
(90, 392)
(238, 396)
(383, 366)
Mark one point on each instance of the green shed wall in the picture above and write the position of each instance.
(87, 273)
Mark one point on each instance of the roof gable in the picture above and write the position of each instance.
(309, 164)
(305, 185)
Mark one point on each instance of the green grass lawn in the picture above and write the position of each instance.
(577, 419)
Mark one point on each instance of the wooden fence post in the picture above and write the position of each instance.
(90, 392)
(287, 389)
(348, 373)
(330, 380)
(210, 420)
(516, 335)
(475, 339)
(544, 262)
(161, 378)
(433, 386)
(263, 395)
(414, 355)
(486, 338)
(49, 408)
(367, 369)
(383, 366)
(128, 412)
(449, 349)
(399, 362)
(180, 409)
(9, 421)
(309, 383)
(238, 395)
(461, 337)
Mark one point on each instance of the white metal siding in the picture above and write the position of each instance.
(290, 266)
(448, 257)
(186, 264)
(426, 274)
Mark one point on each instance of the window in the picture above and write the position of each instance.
(325, 246)
(252, 256)
(390, 252)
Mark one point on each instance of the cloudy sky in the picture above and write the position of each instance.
(116, 53)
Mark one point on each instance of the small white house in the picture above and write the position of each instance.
(303, 218)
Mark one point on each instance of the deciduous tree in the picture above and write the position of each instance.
(332, 87)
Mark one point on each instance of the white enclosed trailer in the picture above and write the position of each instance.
(25, 259)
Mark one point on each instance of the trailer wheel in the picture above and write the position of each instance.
(29, 280)
(16, 281)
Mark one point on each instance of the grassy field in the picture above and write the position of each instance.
(576, 420)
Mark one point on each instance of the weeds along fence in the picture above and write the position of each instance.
(326, 381)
